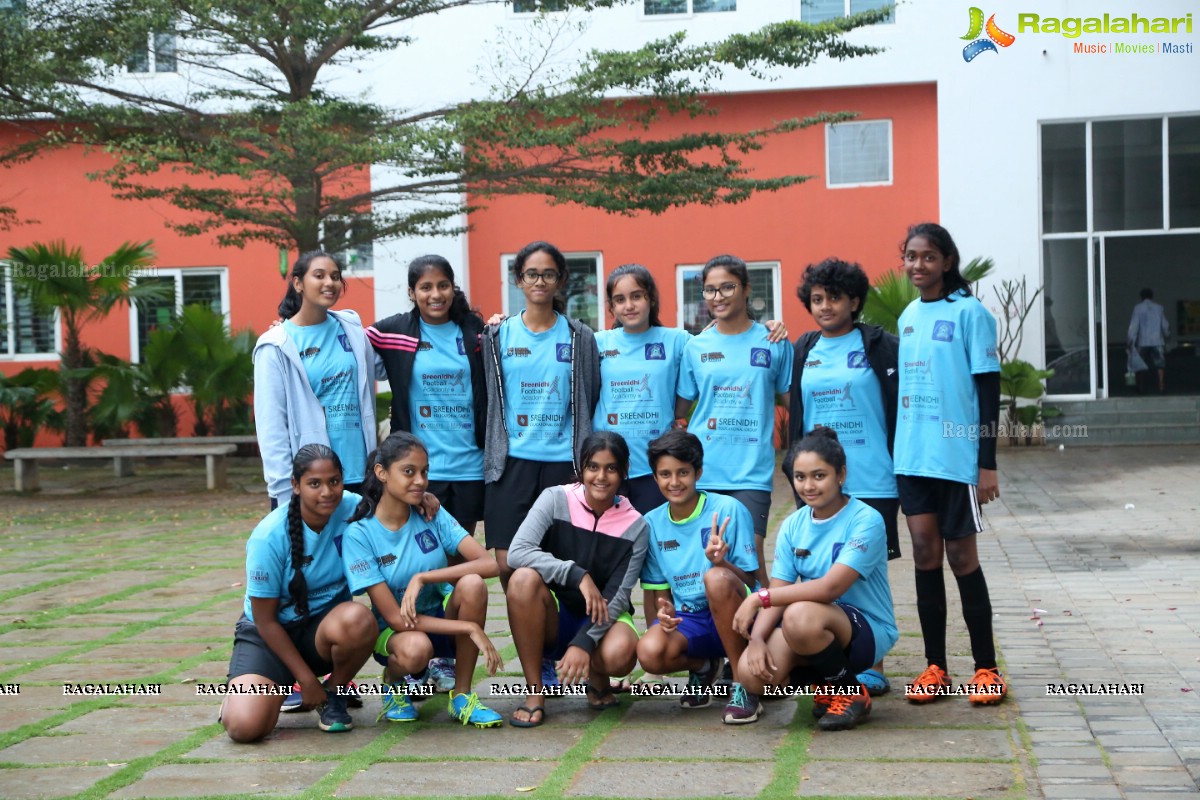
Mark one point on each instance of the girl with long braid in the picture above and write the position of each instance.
(423, 606)
(298, 618)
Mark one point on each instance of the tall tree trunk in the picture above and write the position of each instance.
(76, 392)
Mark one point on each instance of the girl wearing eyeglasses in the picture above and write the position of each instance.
(733, 372)
(543, 380)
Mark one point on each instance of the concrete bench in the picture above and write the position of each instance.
(25, 460)
(239, 440)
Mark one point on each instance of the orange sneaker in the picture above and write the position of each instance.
(846, 710)
(822, 697)
(987, 687)
(929, 685)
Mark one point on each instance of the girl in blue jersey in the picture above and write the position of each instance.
(828, 612)
(313, 378)
(298, 620)
(543, 381)
(844, 378)
(734, 373)
(945, 453)
(401, 562)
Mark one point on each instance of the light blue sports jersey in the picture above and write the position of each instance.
(537, 390)
(269, 562)
(333, 375)
(441, 404)
(807, 549)
(841, 391)
(639, 374)
(373, 554)
(734, 380)
(675, 557)
(943, 345)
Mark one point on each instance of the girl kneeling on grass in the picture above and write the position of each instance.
(828, 613)
(298, 620)
(400, 561)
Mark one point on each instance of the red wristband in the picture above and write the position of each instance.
(765, 597)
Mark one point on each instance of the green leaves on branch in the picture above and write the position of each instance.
(892, 292)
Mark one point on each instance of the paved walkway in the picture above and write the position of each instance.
(155, 580)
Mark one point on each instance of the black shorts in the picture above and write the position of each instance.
(252, 656)
(956, 504)
(756, 501)
(889, 509)
(860, 652)
(463, 500)
(642, 493)
(508, 500)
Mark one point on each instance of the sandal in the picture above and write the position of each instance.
(620, 686)
(595, 703)
(875, 682)
(533, 721)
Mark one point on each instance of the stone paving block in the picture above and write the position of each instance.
(893, 711)
(121, 745)
(25, 655)
(1143, 777)
(57, 635)
(174, 633)
(1066, 752)
(654, 779)
(89, 619)
(240, 780)
(429, 779)
(23, 784)
(1081, 791)
(157, 717)
(287, 741)
(221, 614)
(776, 714)
(564, 711)
(745, 741)
(78, 672)
(433, 741)
(921, 779)
(1061, 773)
(141, 651)
(912, 743)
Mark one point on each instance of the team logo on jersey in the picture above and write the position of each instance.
(760, 357)
(857, 543)
(904, 401)
(706, 357)
(856, 360)
(424, 346)
(309, 352)
(668, 545)
(523, 420)
(344, 341)
(811, 364)
(386, 560)
(612, 419)
(991, 352)
(800, 552)
(908, 329)
(462, 350)
(712, 423)
(705, 533)
(943, 331)
(359, 567)
(259, 576)
(562, 352)
(426, 541)
(656, 352)
(426, 411)
(518, 352)
(610, 353)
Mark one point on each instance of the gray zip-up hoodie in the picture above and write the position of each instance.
(585, 394)
(287, 415)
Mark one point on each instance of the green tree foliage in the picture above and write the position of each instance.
(27, 405)
(892, 292)
(261, 104)
(56, 278)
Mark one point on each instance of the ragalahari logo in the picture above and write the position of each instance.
(995, 36)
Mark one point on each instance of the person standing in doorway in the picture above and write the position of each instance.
(1148, 330)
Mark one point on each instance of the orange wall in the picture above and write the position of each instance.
(54, 191)
(795, 226)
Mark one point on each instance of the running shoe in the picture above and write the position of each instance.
(421, 679)
(743, 707)
(294, 701)
(352, 697)
(549, 676)
(822, 697)
(467, 709)
(987, 687)
(930, 685)
(441, 675)
(334, 718)
(701, 683)
(397, 707)
(846, 710)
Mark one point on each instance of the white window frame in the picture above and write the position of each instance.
(689, 14)
(529, 14)
(9, 353)
(776, 268)
(891, 155)
(846, 12)
(177, 273)
(506, 279)
(152, 56)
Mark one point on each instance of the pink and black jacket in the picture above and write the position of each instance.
(564, 540)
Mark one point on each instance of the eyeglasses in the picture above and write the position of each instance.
(725, 290)
(549, 277)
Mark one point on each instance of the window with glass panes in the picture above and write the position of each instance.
(822, 10)
(656, 8)
(22, 330)
(187, 287)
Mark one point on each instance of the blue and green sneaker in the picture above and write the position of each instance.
(467, 709)
(397, 707)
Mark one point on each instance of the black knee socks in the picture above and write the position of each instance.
(931, 610)
(977, 613)
(832, 665)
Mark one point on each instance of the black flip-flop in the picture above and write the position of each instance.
(597, 693)
(531, 722)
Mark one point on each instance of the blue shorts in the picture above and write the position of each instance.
(860, 652)
(700, 630)
(569, 625)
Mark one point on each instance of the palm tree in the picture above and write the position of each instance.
(55, 277)
(892, 293)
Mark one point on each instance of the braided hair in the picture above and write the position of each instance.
(305, 458)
